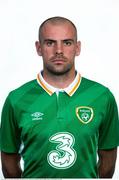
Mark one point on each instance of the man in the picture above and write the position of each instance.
(60, 122)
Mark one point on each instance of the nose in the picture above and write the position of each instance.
(59, 48)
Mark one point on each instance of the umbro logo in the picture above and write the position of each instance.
(37, 116)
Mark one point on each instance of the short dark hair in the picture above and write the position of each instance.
(55, 20)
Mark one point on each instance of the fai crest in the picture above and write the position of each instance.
(84, 114)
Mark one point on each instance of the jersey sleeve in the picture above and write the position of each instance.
(9, 133)
(109, 129)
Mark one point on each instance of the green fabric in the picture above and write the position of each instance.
(60, 135)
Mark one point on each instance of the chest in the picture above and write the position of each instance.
(48, 115)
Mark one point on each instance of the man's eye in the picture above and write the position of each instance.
(67, 43)
(50, 43)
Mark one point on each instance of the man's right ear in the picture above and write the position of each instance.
(38, 48)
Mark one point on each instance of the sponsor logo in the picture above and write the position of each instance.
(64, 155)
(37, 116)
(85, 114)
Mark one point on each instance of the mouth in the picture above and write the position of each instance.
(58, 61)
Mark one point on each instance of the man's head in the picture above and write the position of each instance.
(54, 21)
(58, 45)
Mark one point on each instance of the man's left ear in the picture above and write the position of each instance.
(38, 48)
(78, 49)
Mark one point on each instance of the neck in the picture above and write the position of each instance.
(59, 81)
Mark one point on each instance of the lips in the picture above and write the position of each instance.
(58, 61)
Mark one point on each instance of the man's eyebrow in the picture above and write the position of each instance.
(68, 39)
(72, 40)
(51, 40)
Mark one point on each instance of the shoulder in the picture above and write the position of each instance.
(93, 84)
(21, 91)
(97, 88)
(25, 87)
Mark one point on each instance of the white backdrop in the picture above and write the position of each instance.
(98, 29)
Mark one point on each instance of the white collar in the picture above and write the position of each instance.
(70, 90)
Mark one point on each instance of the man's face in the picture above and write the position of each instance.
(58, 47)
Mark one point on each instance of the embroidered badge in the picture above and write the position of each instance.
(85, 114)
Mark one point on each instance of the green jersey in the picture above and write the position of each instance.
(59, 133)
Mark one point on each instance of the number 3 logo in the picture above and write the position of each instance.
(64, 156)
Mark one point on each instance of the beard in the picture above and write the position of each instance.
(58, 69)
